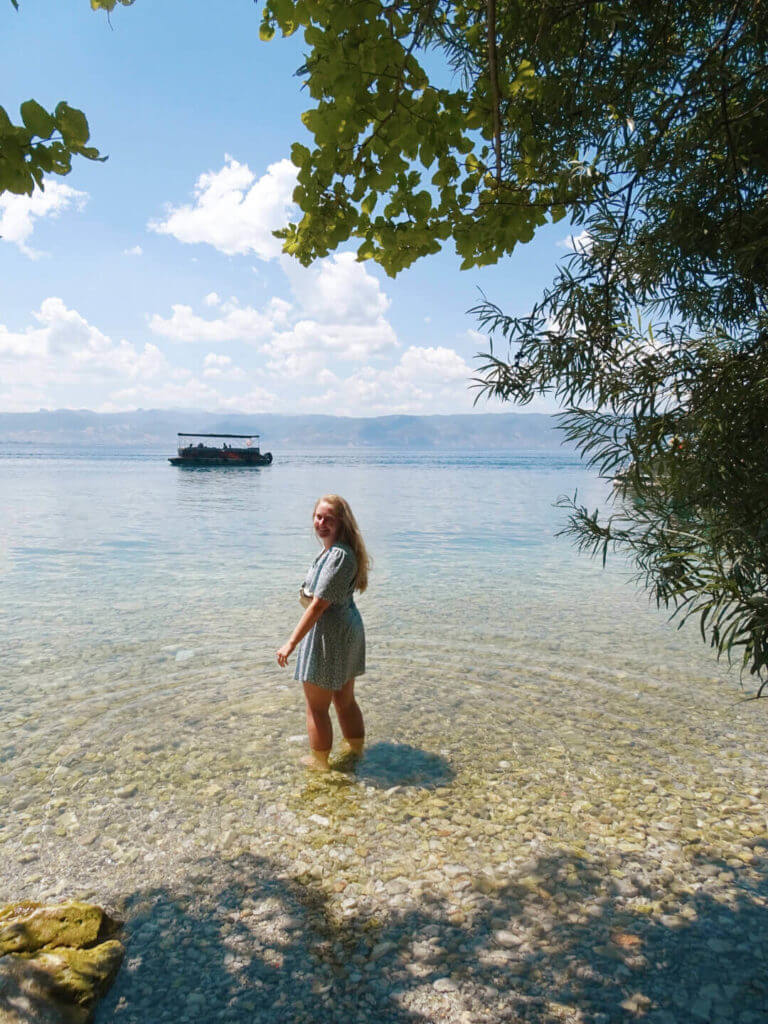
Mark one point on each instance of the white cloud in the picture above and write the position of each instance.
(338, 316)
(221, 368)
(254, 401)
(18, 213)
(212, 359)
(425, 380)
(477, 337)
(337, 289)
(237, 324)
(135, 250)
(343, 306)
(169, 394)
(234, 211)
(309, 345)
(66, 357)
(30, 343)
(435, 365)
(581, 243)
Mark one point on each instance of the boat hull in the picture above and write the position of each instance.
(232, 461)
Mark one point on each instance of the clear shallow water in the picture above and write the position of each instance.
(149, 738)
(116, 565)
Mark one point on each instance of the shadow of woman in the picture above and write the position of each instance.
(397, 764)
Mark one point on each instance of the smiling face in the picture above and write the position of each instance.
(327, 525)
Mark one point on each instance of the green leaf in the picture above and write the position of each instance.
(72, 124)
(37, 119)
(300, 155)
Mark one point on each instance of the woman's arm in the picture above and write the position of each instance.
(305, 623)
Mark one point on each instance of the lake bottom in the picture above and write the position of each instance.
(549, 824)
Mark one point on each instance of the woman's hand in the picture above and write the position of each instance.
(284, 654)
(306, 622)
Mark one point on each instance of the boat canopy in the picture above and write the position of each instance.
(226, 436)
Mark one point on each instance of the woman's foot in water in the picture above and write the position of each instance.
(350, 753)
(317, 760)
(353, 746)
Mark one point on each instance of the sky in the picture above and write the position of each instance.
(153, 280)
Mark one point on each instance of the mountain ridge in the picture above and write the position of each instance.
(158, 428)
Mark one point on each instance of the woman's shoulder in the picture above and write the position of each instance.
(341, 552)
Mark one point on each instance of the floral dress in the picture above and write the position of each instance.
(333, 651)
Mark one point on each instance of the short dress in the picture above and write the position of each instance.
(334, 649)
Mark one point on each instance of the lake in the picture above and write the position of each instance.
(550, 762)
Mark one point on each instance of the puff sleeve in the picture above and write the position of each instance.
(335, 581)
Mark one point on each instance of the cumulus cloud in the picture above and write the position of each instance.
(577, 243)
(18, 213)
(308, 345)
(254, 401)
(424, 380)
(338, 315)
(337, 289)
(135, 250)
(238, 323)
(234, 211)
(477, 337)
(169, 394)
(221, 368)
(66, 355)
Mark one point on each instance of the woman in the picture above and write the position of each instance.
(330, 633)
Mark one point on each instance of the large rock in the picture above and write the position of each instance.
(55, 962)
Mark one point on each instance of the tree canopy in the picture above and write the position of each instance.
(645, 124)
(46, 140)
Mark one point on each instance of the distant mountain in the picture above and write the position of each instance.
(156, 428)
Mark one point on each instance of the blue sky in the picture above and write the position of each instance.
(152, 280)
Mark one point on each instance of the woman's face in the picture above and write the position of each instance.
(327, 525)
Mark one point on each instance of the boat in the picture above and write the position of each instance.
(196, 451)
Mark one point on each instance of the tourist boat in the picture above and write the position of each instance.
(198, 452)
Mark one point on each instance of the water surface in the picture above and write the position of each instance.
(529, 715)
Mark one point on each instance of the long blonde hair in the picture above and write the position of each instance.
(349, 533)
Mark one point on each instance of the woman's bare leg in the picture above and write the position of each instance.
(319, 726)
(350, 716)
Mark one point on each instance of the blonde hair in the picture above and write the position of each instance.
(349, 533)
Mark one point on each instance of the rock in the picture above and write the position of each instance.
(381, 949)
(637, 1003)
(27, 927)
(444, 985)
(55, 962)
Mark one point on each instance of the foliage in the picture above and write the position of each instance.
(45, 141)
(644, 122)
